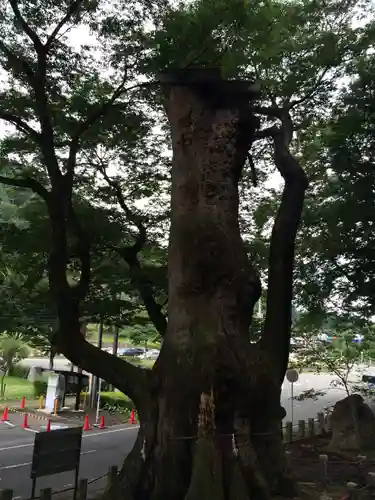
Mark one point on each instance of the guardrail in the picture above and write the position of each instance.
(306, 429)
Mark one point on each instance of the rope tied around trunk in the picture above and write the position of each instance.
(231, 434)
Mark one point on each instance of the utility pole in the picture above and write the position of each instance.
(94, 379)
(115, 344)
(115, 340)
(79, 371)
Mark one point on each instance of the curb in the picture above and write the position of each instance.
(45, 418)
(29, 414)
(34, 415)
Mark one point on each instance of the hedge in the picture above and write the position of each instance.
(40, 387)
(115, 399)
(19, 371)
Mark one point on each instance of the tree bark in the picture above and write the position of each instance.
(213, 288)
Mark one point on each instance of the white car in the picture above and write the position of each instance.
(150, 354)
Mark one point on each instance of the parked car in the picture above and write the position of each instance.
(150, 354)
(130, 351)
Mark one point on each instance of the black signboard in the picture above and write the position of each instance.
(55, 452)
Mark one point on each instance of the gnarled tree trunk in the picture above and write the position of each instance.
(212, 291)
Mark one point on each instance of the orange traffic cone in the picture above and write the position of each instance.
(132, 417)
(25, 425)
(86, 425)
(101, 424)
(22, 405)
(4, 418)
(48, 426)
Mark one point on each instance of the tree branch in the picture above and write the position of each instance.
(26, 27)
(86, 124)
(144, 287)
(126, 377)
(309, 94)
(37, 81)
(130, 255)
(27, 183)
(277, 326)
(38, 84)
(18, 64)
(83, 251)
(138, 245)
(270, 111)
(20, 125)
(72, 10)
(266, 132)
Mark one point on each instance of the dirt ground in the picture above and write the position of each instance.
(320, 480)
(109, 418)
(77, 417)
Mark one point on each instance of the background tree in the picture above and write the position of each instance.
(12, 350)
(337, 244)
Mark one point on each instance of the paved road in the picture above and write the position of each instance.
(100, 450)
(302, 410)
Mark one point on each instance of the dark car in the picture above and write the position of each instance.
(131, 351)
(369, 379)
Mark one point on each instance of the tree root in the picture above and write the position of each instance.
(217, 476)
(118, 490)
(207, 479)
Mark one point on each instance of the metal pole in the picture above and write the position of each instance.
(94, 379)
(115, 341)
(292, 400)
(33, 487)
(100, 333)
(76, 482)
(98, 403)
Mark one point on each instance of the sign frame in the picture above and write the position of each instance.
(292, 375)
(55, 452)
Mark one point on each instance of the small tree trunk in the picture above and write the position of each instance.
(2, 386)
(52, 354)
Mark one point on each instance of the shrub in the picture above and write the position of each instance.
(115, 400)
(105, 387)
(40, 387)
(19, 371)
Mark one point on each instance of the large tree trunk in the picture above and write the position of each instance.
(212, 291)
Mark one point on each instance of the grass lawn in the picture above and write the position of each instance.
(16, 388)
(125, 336)
(124, 341)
